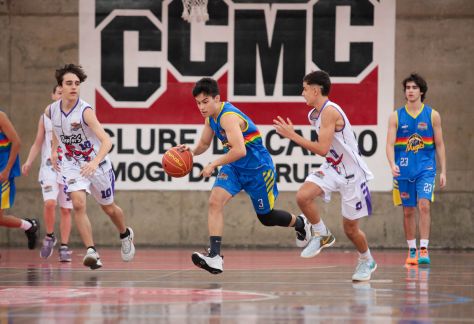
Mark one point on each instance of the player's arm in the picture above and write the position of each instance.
(326, 132)
(105, 143)
(204, 141)
(35, 147)
(47, 111)
(390, 146)
(231, 124)
(54, 151)
(9, 130)
(440, 148)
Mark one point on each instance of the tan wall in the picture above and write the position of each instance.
(433, 37)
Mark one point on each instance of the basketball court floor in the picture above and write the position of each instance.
(257, 286)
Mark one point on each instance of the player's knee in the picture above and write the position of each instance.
(424, 206)
(275, 218)
(50, 204)
(303, 198)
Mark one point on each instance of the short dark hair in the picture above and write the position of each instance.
(70, 68)
(320, 78)
(419, 81)
(207, 86)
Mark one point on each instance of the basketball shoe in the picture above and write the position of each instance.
(64, 254)
(364, 269)
(48, 245)
(92, 259)
(212, 264)
(32, 233)
(302, 238)
(424, 257)
(128, 249)
(317, 243)
(412, 257)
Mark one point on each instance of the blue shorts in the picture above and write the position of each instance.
(8, 194)
(259, 185)
(408, 192)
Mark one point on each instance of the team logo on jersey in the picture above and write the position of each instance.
(415, 143)
(319, 174)
(404, 195)
(422, 126)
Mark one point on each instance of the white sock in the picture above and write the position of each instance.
(411, 244)
(25, 225)
(366, 255)
(320, 228)
(424, 243)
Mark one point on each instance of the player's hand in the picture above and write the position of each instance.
(395, 170)
(442, 180)
(184, 147)
(4, 175)
(88, 169)
(208, 170)
(284, 127)
(25, 169)
(54, 161)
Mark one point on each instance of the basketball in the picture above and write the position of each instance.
(176, 163)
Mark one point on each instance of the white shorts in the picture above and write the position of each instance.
(355, 194)
(100, 185)
(52, 189)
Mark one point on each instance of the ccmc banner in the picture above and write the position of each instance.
(142, 60)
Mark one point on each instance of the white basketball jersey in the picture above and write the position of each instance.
(343, 155)
(78, 142)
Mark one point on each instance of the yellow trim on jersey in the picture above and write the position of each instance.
(397, 200)
(5, 200)
(241, 117)
(220, 110)
(419, 112)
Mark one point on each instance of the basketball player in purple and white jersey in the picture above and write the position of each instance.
(53, 188)
(344, 171)
(85, 165)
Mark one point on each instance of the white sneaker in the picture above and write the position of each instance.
(364, 270)
(303, 240)
(212, 264)
(92, 259)
(128, 249)
(317, 243)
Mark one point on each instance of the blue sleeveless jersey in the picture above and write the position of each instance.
(415, 152)
(257, 155)
(5, 147)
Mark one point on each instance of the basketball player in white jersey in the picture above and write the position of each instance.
(52, 187)
(344, 171)
(85, 164)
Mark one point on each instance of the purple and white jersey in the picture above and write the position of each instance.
(78, 142)
(343, 155)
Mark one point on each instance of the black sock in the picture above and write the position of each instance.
(125, 234)
(92, 247)
(299, 224)
(215, 242)
(51, 235)
(62, 244)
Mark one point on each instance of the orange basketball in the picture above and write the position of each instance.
(176, 163)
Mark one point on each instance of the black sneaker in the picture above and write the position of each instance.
(32, 233)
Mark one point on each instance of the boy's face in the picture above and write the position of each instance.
(310, 93)
(70, 87)
(208, 106)
(412, 92)
(56, 95)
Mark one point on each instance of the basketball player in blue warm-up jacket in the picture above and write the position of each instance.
(414, 138)
(246, 165)
(9, 169)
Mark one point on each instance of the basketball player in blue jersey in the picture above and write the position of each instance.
(9, 169)
(246, 165)
(414, 139)
(344, 171)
